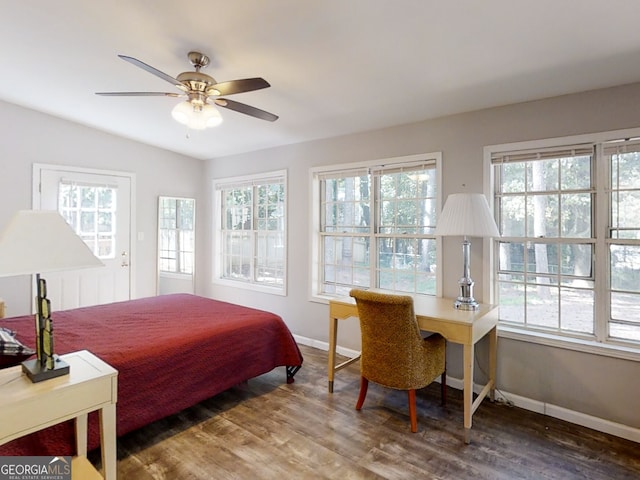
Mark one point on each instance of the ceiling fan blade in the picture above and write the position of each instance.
(246, 109)
(139, 94)
(154, 71)
(239, 86)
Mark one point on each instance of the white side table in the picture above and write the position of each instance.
(92, 384)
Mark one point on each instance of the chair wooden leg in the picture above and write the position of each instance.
(413, 416)
(443, 386)
(364, 385)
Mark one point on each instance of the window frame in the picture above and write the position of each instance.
(600, 345)
(278, 176)
(315, 202)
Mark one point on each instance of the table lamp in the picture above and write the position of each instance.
(35, 242)
(466, 215)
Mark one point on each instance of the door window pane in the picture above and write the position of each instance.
(91, 211)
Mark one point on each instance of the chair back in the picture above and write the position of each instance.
(392, 348)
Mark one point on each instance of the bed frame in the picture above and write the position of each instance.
(171, 352)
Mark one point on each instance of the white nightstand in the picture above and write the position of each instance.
(92, 384)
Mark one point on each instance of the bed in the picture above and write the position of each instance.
(171, 352)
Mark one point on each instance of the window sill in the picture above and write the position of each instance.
(575, 344)
(319, 298)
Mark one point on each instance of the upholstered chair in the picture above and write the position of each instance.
(394, 354)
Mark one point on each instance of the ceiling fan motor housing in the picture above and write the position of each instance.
(198, 82)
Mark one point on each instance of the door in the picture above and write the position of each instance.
(97, 205)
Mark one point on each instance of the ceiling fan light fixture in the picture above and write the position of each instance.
(196, 116)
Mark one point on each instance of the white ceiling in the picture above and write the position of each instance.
(335, 66)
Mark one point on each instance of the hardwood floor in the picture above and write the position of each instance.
(267, 429)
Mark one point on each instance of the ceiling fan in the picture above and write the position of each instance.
(202, 92)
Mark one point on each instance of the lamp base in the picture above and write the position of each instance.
(466, 304)
(38, 373)
(465, 300)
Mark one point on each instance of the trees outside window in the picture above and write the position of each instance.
(623, 243)
(375, 227)
(568, 260)
(251, 231)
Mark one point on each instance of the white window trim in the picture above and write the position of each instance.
(217, 240)
(173, 274)
(586, 346)
(314, 214)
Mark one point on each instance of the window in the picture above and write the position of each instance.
(375, 226)
(177, 235)
(90, 210)
(251, 231)
(623, 244)
(568, 261)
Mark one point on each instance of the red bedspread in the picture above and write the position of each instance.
(171, 352)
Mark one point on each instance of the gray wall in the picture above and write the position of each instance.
(600, 386)
(591, 384)
(29, 137)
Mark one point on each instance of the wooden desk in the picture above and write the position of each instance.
(26, 407)
(436, 315)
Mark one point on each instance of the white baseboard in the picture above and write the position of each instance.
(561, 413)
(310, 342)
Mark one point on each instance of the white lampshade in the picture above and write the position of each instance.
(40, 241)
(197, 117)
(466, 214)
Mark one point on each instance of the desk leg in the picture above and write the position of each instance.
(493, 355)
(108, 441)
(333, 339)
(468, 391)
(81, 435)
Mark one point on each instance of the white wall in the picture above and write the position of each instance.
(172, 283)
(594, 385)
(29, 137)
